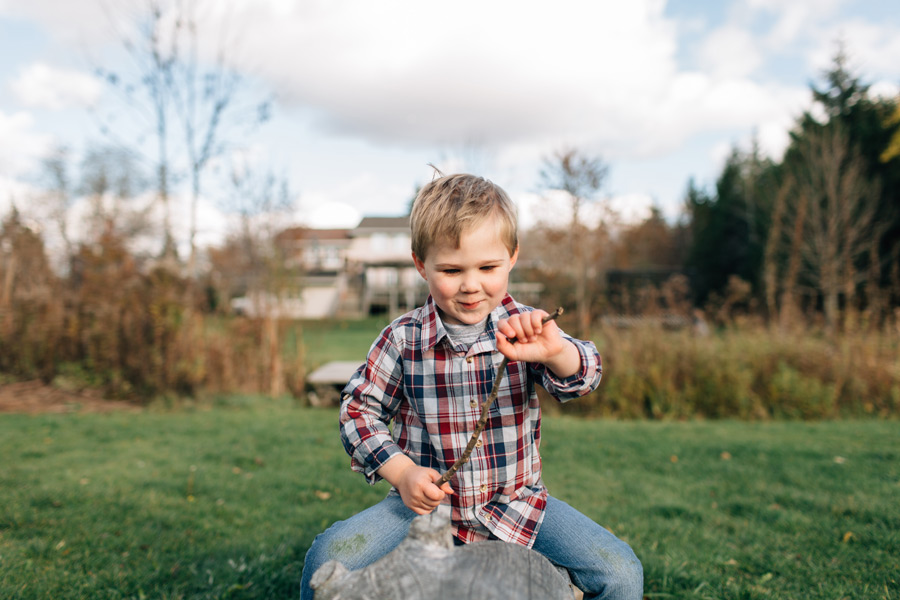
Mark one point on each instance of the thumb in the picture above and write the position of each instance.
(504, 347)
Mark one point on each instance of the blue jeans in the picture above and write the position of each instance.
(599, 563)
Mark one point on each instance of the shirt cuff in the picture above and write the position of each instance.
(579, 384)
(367, 459)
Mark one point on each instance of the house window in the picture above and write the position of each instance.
(380, 242)
(401, 242)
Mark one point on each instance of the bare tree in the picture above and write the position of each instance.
(251, 262)
(212, 102)
(143, 89)
(840, 202)
(194, 104)
(111, 180)
(773, 243)
(581, 178)
(789, 301)
(58, 194)
(260, 198)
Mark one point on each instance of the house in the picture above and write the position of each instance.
(354, 272)
(321, 255)
(380, 268)
(315, 251)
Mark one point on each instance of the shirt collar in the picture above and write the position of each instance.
(432, 327)
(433, 330)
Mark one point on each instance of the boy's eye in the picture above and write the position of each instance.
(451, 271)
(488, 267)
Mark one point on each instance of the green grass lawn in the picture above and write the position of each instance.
(223, 503)
(340, 339)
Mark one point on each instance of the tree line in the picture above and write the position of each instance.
(810, 238)
(817, 232)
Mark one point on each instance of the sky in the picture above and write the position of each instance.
(367, 94)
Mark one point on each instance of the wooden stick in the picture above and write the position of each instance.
(485, 410)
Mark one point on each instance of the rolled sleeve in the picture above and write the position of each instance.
(579, 384)
(370, 400)
(369, 447)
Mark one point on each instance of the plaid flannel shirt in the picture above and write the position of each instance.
(432, 391)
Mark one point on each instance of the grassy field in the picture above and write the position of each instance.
(223, 503)
(340, 339)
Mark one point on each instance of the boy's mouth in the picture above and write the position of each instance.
(470, 305)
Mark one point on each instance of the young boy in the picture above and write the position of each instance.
(430, 370)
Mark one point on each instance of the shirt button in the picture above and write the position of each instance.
(469, 360)
(484, 489)
(487, 517)
(473, 404)
(478, 443)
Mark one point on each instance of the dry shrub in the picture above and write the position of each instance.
(31, 315)
(747, 372)
(744, 369)
(135, 333)
(253, 356)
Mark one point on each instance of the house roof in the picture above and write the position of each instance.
(309, 234)
(382, 224)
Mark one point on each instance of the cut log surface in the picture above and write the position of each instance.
(427, 565)
(336, 372)
(324, 385)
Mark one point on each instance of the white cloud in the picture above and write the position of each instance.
(720, 152)
(730, 52)
(872, 48)
(773, 138)
(70, 22)
(795, 19)
(555, 209)
(425, 74)
(517, 79)
(698, 103)
(20, 145)
(212, 224)
(13, 192)
(362, 194)
(332, 215)
(885, 89)
(43, 86)
(600, 76)
(631, 208)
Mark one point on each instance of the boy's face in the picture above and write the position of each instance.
(468, 282)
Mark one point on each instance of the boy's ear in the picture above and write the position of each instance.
(420, 266)
(514, 258)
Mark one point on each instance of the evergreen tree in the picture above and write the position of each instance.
(729, 228)
(868, 127)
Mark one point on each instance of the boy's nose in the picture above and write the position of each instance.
(469, 283)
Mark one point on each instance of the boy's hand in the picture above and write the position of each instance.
(418, 490)
(416, 484)
(537, 342)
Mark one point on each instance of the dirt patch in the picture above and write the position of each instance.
(34, 397)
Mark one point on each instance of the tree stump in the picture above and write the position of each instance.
(427, 565)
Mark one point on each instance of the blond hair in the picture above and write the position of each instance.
(452, 204)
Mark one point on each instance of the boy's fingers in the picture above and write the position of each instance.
(506, 329)
(537, 321)
(433, 492)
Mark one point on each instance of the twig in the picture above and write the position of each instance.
(485, 410)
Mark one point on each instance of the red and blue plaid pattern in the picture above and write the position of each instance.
(432, 391)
